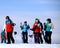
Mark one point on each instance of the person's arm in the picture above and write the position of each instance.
(28, 27)
(0, 36)
(45, 26)
(4, 26)
(21, 26)
(33, 28)
(13, 24)
(41, 25)
(5, 35)
(52, 26)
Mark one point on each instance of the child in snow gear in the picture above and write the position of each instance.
(24, 29)
(37, 31)
(3, 36)
(48, 30)
(9, 30)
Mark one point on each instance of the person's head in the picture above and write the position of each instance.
(25, 22)
(3, 30)
(7, 18)
(37, 20)
(49, 20)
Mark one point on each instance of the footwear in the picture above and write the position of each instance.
(42, 42)
(8, 43)
(13, 42)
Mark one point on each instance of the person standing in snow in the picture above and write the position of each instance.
(24, 29)
(9, 29)
(37, 30)
(48, 27)
(3, 36)
(41, 32)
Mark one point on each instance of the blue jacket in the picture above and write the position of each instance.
(24, 28)
(8, 21)
(2, 34)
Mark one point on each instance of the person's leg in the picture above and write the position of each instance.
(46, 37)
(8, 38)
(40, 36)
(23, 34)
(35, 37)
(50, 37)
(42, 33)
(4, 41)
(11, 37)
(26, 37)
(23, 37)
(1, 40)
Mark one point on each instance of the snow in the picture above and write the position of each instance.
(29, 46)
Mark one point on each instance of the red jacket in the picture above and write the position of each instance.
(9, 28)
(36, 28)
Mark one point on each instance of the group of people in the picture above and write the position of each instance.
(38, 29)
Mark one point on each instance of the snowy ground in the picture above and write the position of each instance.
(29, 46)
